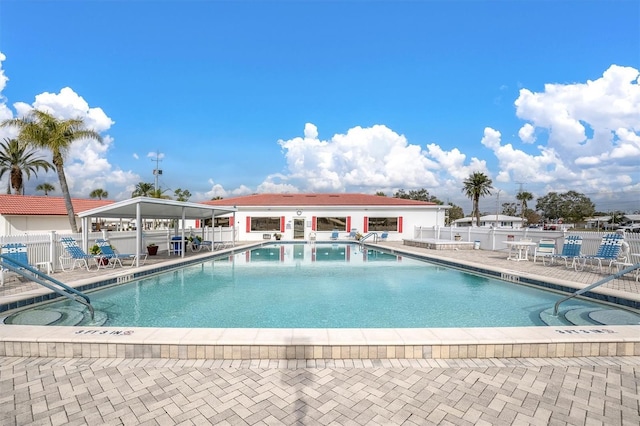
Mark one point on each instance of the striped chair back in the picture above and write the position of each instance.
(17, 252)
(610, 246)
(72, 247)
(572, 246)
(105, 247)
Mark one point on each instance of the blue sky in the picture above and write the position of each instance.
(335, 96)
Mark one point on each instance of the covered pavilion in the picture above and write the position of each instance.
(140, 208)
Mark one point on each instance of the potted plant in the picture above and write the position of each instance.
(277, 236)
(152, 249)
(358, 236)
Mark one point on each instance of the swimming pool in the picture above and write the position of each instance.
(325, 286)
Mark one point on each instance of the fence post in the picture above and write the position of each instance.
(52, 250)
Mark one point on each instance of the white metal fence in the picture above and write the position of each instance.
(46, 248)
(494, 238)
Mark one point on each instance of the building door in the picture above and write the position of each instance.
(298, 229)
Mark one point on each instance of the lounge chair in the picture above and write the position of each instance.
(334, 235)
(197, 244)
(114, 258)
(383, 236)
(607, 253)
(352, 234)
(75, 255)
(17, 252)
(219, 245)
(570, 251)
(544, 248)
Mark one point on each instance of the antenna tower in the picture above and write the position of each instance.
(157, 172)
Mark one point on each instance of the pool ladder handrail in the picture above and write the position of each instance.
(370, 234)
(594, 285)
(38, 277)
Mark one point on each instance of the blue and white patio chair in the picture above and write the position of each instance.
(383, 236)
(197, 244)
(334, 235)
(570, 251)
(114, 258)
(607, 253)
(17, 252)
(75, 255)
(543, 249)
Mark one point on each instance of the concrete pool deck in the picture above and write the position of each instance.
(244, 344)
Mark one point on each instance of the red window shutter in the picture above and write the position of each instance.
(365, 226)
(248, 224)
(348, 224)
(313, 223)
(281, 223)
(400, 224)
(197, 223)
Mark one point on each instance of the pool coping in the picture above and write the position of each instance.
(294, 343)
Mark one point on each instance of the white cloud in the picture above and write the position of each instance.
(5, 112)
(155, 155)
(135, 156)
(362, 159)
(218, 190)
(527, 133)
(592, 134)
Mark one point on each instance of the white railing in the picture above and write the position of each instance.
(494, 238)
(46, 248)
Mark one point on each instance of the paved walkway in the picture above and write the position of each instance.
(555, 391)
(576, 391)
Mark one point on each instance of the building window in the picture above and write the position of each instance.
(383, 224)
(222, 222)
(262, 224)
(331, 223)
(219, 222)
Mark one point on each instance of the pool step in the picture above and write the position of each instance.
(589, 316)
(62, 315)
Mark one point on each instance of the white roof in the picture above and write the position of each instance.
(491, 218)
(157, 208)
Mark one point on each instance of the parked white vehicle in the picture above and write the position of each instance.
(631, 228)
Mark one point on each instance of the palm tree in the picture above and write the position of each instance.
(99, 194)
(523, 197)
(182, 194)
(46, 187)
(160, 193)
(475, 186)
(42, 130)
(143, 189)
(18, 160)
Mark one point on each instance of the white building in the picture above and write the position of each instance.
(309, 216)
(497, 221)
(30, 214)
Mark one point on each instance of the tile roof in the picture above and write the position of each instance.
(339, 199)
(44, 205)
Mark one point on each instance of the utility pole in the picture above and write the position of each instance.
(157, 172)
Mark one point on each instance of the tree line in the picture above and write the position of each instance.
(570, 206)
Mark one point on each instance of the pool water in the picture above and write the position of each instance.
(323, 286)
